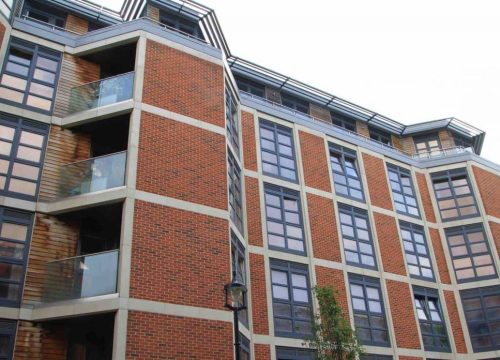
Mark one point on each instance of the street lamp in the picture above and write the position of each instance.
(235, 293)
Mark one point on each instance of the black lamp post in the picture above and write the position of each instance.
(236, 300)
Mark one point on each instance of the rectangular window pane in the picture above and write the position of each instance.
(403, 192)
(346, 176)
(277, 151)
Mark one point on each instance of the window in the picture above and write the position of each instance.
(470, 253)
(244, 348)
(239, 269)
(232, 120)
(182, 23)
(482, 313)
(403, 192)
(22, 146)
(6, 7)
(454, 194)
(48, 15)
(368, 309)
(278, 155)
(235, 209)
(294, 103)
(291, 299)
(375, 357)
(7, 336)
(15, 233)
(346, 177)
(380, 135)
(284, 219)
(29, 76)
(462, 141)
(283, 353)
(427, 145)
(416, 251)
(356, 237)
(250, 86)
(343, 121)
(431, 321)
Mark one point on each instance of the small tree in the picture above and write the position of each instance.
(332, 335)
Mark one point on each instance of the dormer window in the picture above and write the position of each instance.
(184, 24)
(35, 10)
(295, 103)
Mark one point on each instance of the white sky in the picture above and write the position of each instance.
(412, 61)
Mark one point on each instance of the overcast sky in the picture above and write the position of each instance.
(411, 61)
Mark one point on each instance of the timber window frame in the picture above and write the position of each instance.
(418, 258)
(345, 172)
(403, 191)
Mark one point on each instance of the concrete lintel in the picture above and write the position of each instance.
(100, 113)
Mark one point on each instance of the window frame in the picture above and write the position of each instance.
(464, 232)
(244, 346)
(282, 193)
(379, 135)
(290, 268)
(425, 139)
(448, 176)
(235, 192)
(343, 121)
(461, 141)
(344, 153)
(289, 353)
(237, 258)
(20, 124)
(364, 282)
(232, 119)
(52, 14)
(375, 357)
(295, 103)
(25, 219)
(416, 229)
(35, 50)
(354, 212)
(8, 329)
(480, 293)
(425, 294)
(277, 129)
(177, 22)
(251, 87)
(399, 172)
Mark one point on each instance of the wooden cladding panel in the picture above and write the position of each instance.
(74, 71)
(52, 239)
(40, 342)
(76, 24)
(64, 146)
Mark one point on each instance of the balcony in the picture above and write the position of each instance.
(100, 93)
(81, 277)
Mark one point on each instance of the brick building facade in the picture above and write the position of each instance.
(141, 163)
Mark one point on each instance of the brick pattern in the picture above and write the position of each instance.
(179, 257)
(488, 184)
(157, 336)
(259, 294)
(396, 142)
(377, 182)
(495, 230)
(76, 24)
(152, 12)
(437, 246)
(249, 144)
(362, 128)
(262, 352)
(314, 161)
(320, 113)
(390, 245)
(184, 84)
(37, 341)
(253, 209)
(182, 161)
(403, 318)
(456, 327)
(334, 278)
(324, 235)
(446, 139)
(407, 145)
(425, 197)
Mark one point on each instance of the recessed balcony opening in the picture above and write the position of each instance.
(93, 269)
(116, 82)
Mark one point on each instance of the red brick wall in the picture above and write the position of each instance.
(253, 209)
(377, 182)
(179, 256)
(249, 144)
(157, 336)
(495, 230)
(335, 278)
(390, 245)
(456, 326)
(403, 318)
(259, 297)
(324, 236)
(262, 352)
(182, 161)
(314, 161)
(440, 258)
(184, 84)
(426, 197)
(488, 184)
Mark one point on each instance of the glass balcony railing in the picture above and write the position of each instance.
(438, 153)
(91, 175)
(81, 277)
(102, 92)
